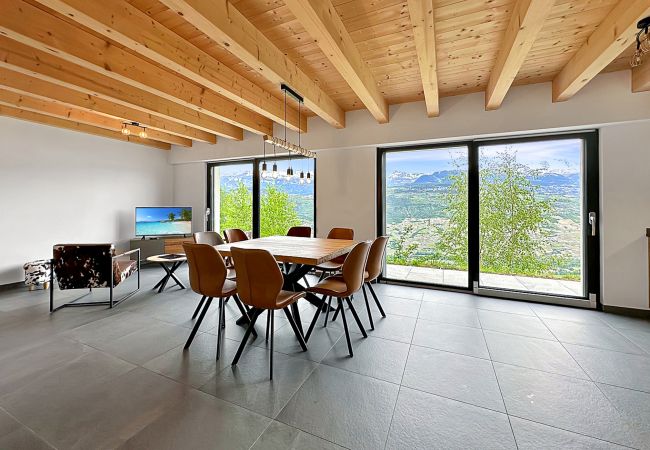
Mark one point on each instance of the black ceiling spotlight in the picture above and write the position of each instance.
(642, 42)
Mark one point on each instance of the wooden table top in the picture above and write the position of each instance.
(162, 259)
(298, 250)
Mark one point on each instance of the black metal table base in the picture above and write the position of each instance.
(169, 273)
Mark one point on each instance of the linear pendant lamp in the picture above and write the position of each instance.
(284, 143)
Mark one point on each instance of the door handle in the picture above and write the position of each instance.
(593, 222)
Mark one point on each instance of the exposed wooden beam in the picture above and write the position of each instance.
(31, 61)
(322, 22)
(424, 34)
(526, 21)
(49, 108)
(30, 116)
(24, 84)
(127, 25)
(225, 25)
(641, 77)
(615, 33)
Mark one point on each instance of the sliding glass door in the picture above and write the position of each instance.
(240, 197)
(230, 192)
(426, 215)
(509, 217)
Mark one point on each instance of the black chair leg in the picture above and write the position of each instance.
(336, 313)
(272, 316)
(251, 325)
(198, 307)
(372, 291)
(244, 311)
(327, 313)
(345, 326)
(356, 318)
(322, 275)
(198, 323)
(268, 323)
(315, 319)
(365, 297)
(295, 329)
(220, 326)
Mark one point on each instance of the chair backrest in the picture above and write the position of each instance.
(234, 235)
(78, 266)
(259, 280)
(299, 232)
(376, 257)
(355, 265)
(208, 237)
(207, 269)
(341, 233)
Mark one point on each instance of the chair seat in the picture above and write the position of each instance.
(229, 288)
(329, 266)
(334, 286)
(123, 269)
(286, 298)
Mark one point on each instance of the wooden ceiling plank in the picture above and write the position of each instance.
(53, 109)
(525, 23)
(322, 22)
(610, 39)
(130, 27)
(424, 34)
(24, 84)
(224, 24)
(20, 57)
(8, 111)
(641, 77)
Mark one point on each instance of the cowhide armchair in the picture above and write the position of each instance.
(88, 266)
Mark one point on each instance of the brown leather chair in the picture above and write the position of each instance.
(235, 235)
(208, 237)
(374, 267)
(208, 278)
(342, 287)
(259, 283)
(212, 238)
(299, 232)
(337, 263)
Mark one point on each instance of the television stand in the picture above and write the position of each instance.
(160, 245)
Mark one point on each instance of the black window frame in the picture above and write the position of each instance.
(591, 203)
(256, 162)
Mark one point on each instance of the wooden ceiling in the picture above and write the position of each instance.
(195, 70)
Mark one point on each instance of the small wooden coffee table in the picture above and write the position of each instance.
(169, 262)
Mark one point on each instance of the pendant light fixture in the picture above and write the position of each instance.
(642, 42)
(274, 171)
(125, 130)
(264, 173)
(142, 133)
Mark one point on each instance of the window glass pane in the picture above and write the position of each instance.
(426, 215)
(232, 197)
(285, 203)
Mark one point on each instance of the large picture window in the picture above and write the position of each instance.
(514, 217)
(240, 197)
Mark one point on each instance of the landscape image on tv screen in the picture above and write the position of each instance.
(154, 221)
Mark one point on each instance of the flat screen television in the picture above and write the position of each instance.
(163, 221)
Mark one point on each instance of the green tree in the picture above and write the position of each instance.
(277, 212)
(401, 246)
(515, 218)
(236, 208)
(171, 216)
(186, 215)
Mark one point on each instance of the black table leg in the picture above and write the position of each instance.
(169, 273)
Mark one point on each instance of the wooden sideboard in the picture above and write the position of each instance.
(158, 246)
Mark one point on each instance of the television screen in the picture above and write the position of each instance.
(156, 221)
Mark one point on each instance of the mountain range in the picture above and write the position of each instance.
(441, 178)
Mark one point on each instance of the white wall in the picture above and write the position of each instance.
(346, 185)
(625, 213)
(59, 186)
(189, 190)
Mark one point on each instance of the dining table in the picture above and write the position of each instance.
(299, 255)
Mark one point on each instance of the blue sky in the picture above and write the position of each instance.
(562, 156)
(155, 214)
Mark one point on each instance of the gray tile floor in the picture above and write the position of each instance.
(443, 370)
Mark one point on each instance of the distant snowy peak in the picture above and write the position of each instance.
(398, 177)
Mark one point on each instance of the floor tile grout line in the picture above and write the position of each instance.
(27, 427)
(503, 400)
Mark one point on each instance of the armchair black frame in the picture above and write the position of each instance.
(110, 302)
